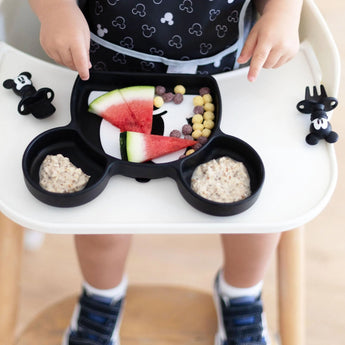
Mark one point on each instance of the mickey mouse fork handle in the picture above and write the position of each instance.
(317, 104)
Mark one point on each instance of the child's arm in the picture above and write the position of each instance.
(274, 39)
(64, 33)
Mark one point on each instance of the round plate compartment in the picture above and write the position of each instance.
(69, 143)
(219, 146)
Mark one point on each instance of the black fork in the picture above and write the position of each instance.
(320, 98)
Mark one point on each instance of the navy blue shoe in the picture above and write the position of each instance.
(240, 320)
(96, 321)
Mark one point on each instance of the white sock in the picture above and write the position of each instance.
(114, 293)
(234, 292)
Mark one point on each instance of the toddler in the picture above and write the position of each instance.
(182, 36)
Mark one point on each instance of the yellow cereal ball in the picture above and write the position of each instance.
(158, 101)
(180, 89)
(206, 132)
(197, 118)
(198, 100)
(207, 98)
(208, 115)
(197, 133)
(209, 107)
(198, 126)
(208, 124)
(189, 152)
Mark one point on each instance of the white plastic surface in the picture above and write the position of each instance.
(299, 180)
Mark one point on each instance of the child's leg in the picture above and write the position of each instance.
(238, 288)
(97, 316)
(102, 258)
(247, 256)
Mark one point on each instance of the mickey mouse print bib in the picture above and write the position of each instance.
(181, 36)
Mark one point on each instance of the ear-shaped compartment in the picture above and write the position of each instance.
(69, 143)
(220, 146)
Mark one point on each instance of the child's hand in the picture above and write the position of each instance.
(272, 42)
(65, 37)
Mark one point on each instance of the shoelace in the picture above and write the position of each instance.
(96, 322)
(243, 322)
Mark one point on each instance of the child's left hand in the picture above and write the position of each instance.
(272, 42)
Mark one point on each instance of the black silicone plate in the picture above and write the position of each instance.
(80, 141)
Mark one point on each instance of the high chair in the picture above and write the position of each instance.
(317, 62)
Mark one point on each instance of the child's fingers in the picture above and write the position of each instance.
(283, 60)
(67, 59)
(248, 48)
(272, 59)
(258, 60)
(54, 54)
(81, 62)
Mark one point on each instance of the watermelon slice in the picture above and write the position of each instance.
(140, 101)
(140, 147)
(129, 109)
(112, 107)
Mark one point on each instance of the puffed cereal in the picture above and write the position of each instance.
(180, 89)
(178, 98)
(198, 126)
(168, 96)
(175, 133)
(209, 107)
(197, 146)
(208, 124)
(204, 90)
(160, 90)
(187, 129)
(198, 100)
(158, 101)
(197, 133)
(207, 98)
(197, 118)
(189, 152)
(208, 115)
(188, 137)
(202, 140)
(206, 132)
(199, 109)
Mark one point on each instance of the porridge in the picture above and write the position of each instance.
(221, 180)
(58, 175)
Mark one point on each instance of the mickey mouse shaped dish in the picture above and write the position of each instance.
(91, 144)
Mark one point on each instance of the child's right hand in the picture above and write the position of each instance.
(65, 37)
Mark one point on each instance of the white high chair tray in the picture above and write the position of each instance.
(299, 182)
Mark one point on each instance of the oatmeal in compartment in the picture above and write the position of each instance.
(58, 175)
(222, 180)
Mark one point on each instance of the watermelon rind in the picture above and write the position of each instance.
(134, 147)
(141, 147)
(138, 92)
(123, 146)
(101, 103)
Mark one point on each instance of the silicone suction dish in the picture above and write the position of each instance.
(80, 141)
